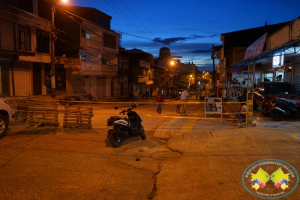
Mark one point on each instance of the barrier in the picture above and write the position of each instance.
(77, 117)
(41, 112)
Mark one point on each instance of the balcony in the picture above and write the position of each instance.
(143, 79)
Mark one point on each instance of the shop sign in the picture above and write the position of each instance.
(277, 60)
(256, 47)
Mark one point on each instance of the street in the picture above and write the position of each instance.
(183, 157)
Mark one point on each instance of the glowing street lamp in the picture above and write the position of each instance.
(52, 39)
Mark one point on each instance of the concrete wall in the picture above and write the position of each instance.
(284, 35)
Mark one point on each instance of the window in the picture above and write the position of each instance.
(104, 61)
(101, 22)
(24, 38)
(42, 41)
(85, 34)
(124, 63)
(109, 41)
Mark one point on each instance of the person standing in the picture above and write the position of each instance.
(183, 99)
(159, 100)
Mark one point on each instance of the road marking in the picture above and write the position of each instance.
(188, 126)
(295, 136)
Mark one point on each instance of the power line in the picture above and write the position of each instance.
(137, 18)
(122, 15)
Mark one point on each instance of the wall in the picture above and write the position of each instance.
(284, 35)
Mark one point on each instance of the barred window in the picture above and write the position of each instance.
(24, 38)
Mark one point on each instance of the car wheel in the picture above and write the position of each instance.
(264, 111)
(3, 125)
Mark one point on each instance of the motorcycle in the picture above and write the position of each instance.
(283, 108)
(125, 128)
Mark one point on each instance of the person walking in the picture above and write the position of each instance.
(183, 99)
(159, 100)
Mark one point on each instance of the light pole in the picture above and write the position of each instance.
(52, 51)
(52, 41)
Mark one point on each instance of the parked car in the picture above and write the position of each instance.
(266, 91)
(5, 116)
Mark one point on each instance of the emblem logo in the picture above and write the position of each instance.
(270, 178)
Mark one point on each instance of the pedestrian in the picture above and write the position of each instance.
(159, 100)
(183, 99)
(242, 109)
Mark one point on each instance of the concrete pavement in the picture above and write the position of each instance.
(182, 158)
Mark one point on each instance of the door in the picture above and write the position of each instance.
(37, 79)
(101, 87)
(112, 89)
(79, 85)
(21, 79)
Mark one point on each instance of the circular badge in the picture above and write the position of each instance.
(270, 178)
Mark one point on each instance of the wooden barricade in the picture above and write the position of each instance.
(42, 113)
(77, 117)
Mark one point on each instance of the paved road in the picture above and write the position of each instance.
(182, 158)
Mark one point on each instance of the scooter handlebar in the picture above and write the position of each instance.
(124, 111)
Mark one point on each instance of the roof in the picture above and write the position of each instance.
(244, 38)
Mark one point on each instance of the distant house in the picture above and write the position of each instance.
(141, 71)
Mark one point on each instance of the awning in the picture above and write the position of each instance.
(259, 58)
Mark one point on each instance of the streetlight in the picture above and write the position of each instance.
(52, 40)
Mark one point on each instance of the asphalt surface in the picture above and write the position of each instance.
(183, 157)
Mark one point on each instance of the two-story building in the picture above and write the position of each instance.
(24, 49)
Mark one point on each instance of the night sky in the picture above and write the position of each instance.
(188, 28)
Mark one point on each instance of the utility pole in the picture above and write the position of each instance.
(52, 51)
(213, 75)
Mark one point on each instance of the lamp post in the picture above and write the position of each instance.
(52, 41)
(52, 51)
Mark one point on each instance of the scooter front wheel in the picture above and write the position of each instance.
(276, 116)
(116, 141)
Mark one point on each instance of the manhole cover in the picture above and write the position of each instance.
(161, 155)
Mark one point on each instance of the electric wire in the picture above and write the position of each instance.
(137, 18)
(123, 17)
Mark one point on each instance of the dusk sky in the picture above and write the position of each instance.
(188, 28)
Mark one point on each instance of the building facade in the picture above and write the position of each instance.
(24, 49)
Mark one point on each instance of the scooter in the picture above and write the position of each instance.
(283, 108)
(125, 128)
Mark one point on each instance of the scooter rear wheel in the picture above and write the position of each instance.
(115, 140)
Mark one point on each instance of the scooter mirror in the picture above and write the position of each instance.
(116, 108)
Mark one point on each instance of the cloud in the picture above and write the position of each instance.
(168, 41)
(198, 51)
